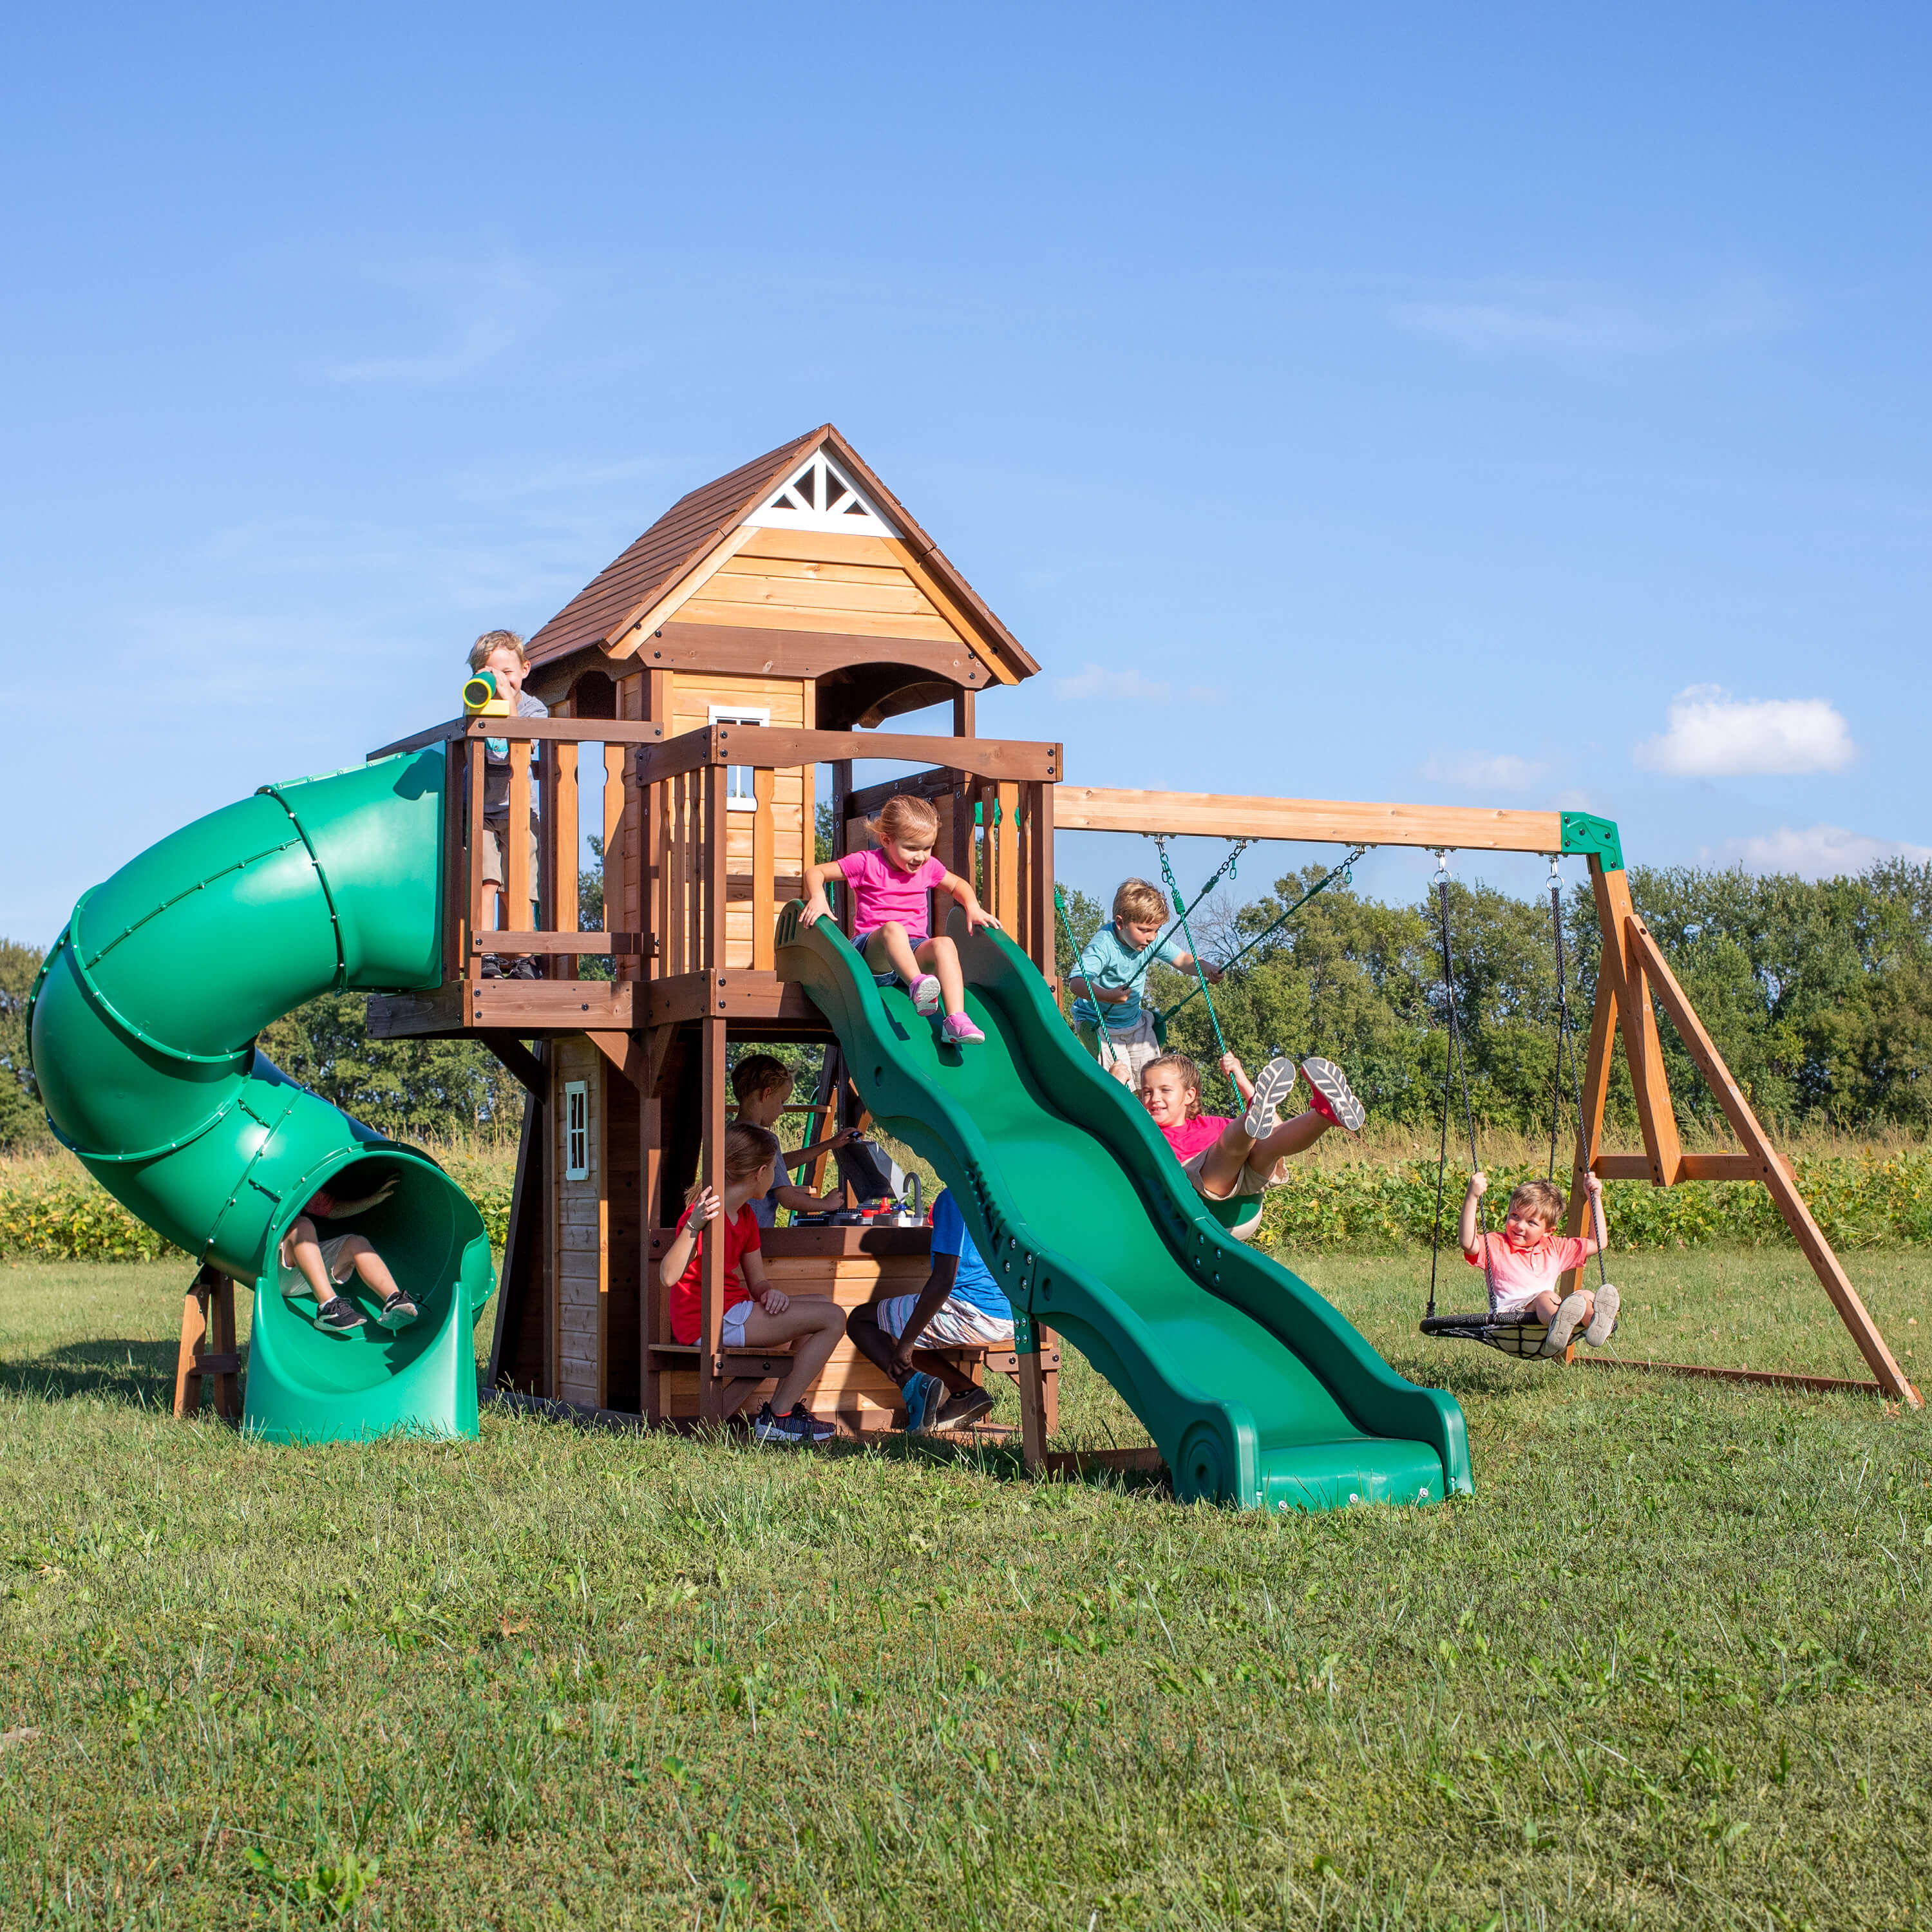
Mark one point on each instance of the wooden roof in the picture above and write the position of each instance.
(605, 614)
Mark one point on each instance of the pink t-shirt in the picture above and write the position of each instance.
(1522, 1274)
(1191, 1136)
(880, 892)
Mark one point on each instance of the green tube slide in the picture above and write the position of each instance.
(1256, 1389)
(143, 1024)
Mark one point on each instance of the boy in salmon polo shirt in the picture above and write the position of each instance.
(1524, 1260)
(891, 925)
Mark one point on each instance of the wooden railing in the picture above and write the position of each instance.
(681, 849)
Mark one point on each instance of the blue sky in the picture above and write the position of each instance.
(1399, 403)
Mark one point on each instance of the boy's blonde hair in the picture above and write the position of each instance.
(1542, 1199)
(1143, 903)
(748, 1151)
(907, 821)
(1190, 1077)
(496, 640)
(758, 1073)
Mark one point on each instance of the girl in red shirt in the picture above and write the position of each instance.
(1232, 1163)
(757, 1315)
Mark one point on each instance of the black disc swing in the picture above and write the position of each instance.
(1521, 1338)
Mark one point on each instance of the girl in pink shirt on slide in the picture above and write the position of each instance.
(890, 925)
(1524, 1260)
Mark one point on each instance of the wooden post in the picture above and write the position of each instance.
(710, 1389)
(208, 1306)
(1752, 1137)
(764, 868)
(842, 790)
(1642, 1049)
(562, 910)
(518, 884)
(473, 814)
(962, 714)
(1038, 1403)
(1041, 920)
(1005, 833)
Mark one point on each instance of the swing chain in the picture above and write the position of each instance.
(1200, 964)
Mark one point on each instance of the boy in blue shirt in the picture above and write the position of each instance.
(961, 1302)
(1106, 981)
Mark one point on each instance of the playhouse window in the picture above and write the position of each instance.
(576, 1131)
(740, 794)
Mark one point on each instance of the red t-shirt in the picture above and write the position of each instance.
(1191, 1136)
(687, 1299)
(321, 1203)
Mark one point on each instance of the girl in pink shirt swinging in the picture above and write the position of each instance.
(1525, 1260)
(891, 924)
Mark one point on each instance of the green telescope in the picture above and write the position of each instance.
(481, 699)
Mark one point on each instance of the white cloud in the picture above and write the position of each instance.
(1820, 851)
(1565, 319)
(1130, 686)
(1480, 771)
(1711, 734)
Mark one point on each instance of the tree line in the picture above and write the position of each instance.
(1818, 994)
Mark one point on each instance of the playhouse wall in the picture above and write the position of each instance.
(594, 1232)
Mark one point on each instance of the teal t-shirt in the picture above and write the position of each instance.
(1108, 962)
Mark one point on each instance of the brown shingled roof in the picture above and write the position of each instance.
(606, 607)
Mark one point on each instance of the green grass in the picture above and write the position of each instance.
(1670, 1665)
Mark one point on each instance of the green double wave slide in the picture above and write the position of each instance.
(1256, 1391)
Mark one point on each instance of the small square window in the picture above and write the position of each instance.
(740, 793)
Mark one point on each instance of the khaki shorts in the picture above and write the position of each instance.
(295, 1283)
(492, 855)
(1252, 1182)
(1136, 1045)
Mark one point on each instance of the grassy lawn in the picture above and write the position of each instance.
(1672, 1663)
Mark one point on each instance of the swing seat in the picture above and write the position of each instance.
(1522, 1339)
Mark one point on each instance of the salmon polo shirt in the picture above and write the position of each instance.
(1521, 1274)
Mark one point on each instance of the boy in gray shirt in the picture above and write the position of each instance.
(502, 654)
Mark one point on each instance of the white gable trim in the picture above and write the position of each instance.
(819, 495)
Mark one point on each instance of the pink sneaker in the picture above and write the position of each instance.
(961, 1032)
(925, 992)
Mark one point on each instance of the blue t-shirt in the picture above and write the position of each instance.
(974, 1283)
(1108, 962)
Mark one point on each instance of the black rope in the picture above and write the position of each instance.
(1458, 1059)
(1566, 1034)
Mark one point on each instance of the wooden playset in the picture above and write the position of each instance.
(765, 626)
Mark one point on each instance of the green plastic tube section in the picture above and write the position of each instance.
(143, 1025)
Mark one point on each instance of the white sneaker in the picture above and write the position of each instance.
(1604, 1323)
(1565, 1326)
(1264, 1115)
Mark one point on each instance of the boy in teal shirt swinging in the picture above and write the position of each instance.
(1106, 980)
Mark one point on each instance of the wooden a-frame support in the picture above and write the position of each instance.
(1633, 970)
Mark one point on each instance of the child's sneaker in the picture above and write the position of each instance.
(1604, 1323)
(398, 1312)
(923, 1394)
(1329, 1094)
(1564, 1325)
(1276, 1084)
(925, 992)
(767, 1427)
(967, 1406)
(960, 1031)
(338, 1316)
(814, 1430)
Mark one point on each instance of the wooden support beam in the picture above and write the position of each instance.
(764, 864)
(1009, 759)
(1643, 1051)
(629, 1053)
(1763, 1378)
(1810, 1237)
(1691, 1167)
(208, 1351)
(715, 1090)
(1213, 815)
(518, 1059)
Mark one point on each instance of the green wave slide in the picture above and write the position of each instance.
(143, 1024)
(1256, 1389)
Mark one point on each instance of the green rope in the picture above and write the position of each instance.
(1345, 871)
(1200, 965)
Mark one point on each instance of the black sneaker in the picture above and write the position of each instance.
(966, 1407)
(493, 967)
(815, 1430)
(1329, 1093)
(525, 968)
(785, 1429)
(338, 1316)
(398, 1312)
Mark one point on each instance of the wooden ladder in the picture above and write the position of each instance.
(208, 1307)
